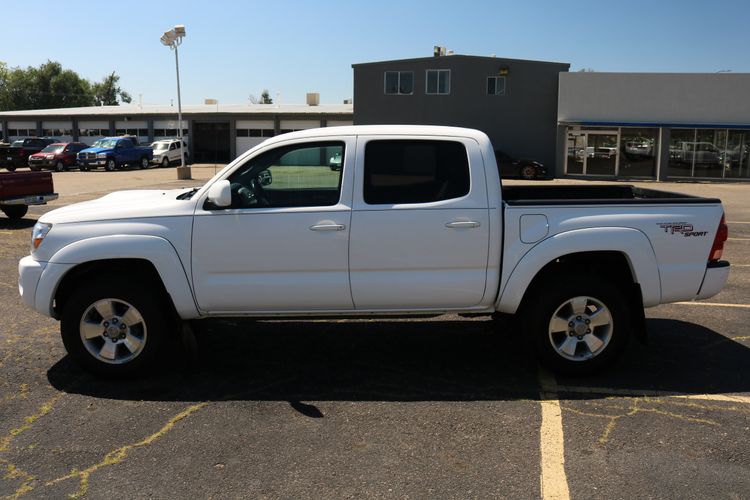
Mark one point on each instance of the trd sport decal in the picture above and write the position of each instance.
(682, 228)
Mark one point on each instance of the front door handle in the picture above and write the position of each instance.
(462, 224)
(327, 227)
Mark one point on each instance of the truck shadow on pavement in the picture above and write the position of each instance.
(462, 360)
(24, 223)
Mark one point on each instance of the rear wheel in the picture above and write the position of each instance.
(15, 211)
(578, 324)
(111, 165)
(528, 172)
(11, 168)
(114, 327)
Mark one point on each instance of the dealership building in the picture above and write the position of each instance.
(658, 126)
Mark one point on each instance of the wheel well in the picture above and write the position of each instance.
(615, 266)
(140, 270)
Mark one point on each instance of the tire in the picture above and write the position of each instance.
(105, 304)
(34, 169)
(83, 168)
(11, 168)
(60, 166)
(15, 211)
(567, 300)
(111, 165)
(144, 163)
(165, 162)
(527, 172)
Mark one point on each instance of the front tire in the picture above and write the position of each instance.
(165, 162)
(144, 164)
(60, 166)
(578, 324)
(15, 211)
(113, 327)
(111, 165)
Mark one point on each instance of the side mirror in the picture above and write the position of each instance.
(265, 178)
(220, 194)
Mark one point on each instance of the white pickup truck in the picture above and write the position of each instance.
(414, 223)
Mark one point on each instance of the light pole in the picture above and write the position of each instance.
(173, 39)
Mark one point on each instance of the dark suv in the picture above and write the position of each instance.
(17, 154)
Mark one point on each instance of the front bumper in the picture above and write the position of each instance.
(42, 163)
(89, 163)
(714, 280)
(29, 273)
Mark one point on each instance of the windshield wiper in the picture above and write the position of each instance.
(187, 194)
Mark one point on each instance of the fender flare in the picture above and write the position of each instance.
(154, 249)
(632, 243)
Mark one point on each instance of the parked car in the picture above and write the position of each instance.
(115, 152)
(17, 154)
(421, 225)
(525, 168)
(703, 153)
(168, 152)
(335, 163)
(18, 190)
(60, 156)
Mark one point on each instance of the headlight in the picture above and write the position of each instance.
(38, 233)
(101, 155)
(50, 157)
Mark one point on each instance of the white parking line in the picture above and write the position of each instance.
(554, 483)
(738, 222)
(738, 239)
(714, 304)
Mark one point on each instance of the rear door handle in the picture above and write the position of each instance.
(463, 224)
(327, 227)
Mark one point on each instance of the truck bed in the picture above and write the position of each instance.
(596, 195)
(21, 184)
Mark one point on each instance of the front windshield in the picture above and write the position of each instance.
(53, 148)
(160, 145)
(105, 143)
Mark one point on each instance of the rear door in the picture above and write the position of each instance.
(420, 224)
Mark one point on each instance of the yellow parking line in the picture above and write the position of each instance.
(636, 393)
(714, 304)
(554, 483)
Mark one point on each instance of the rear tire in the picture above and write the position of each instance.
(578, 324)
(11, 168)
(15, 211)
(528, 172)
(92, 326)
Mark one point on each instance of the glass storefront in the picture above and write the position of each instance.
(633, 152)
(709, 153)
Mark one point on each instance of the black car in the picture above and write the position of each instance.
(524, 168)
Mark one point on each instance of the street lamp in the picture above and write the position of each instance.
(173, 39)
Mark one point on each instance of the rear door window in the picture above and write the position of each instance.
(415, 171)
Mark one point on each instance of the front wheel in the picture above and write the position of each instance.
(144, 163)
(111, 165)
(165, 162)
(60, 167)
(113, 327)
(578, 325)
(15, 211)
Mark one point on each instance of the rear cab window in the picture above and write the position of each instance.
(415, 171)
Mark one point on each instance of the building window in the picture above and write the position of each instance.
(254, 132)
(399, 82)
(438, 81)
(495, 85)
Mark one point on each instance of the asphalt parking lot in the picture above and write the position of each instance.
(389, 408)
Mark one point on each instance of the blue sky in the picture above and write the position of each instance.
(234, 49)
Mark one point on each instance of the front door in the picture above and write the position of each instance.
(283, 244)
(420, 225)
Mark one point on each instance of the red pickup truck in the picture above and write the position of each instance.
(19, 190)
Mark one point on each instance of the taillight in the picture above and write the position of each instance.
(722, 233)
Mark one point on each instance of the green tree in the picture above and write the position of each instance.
(265, 97)
(108, 91)
(52, 86)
